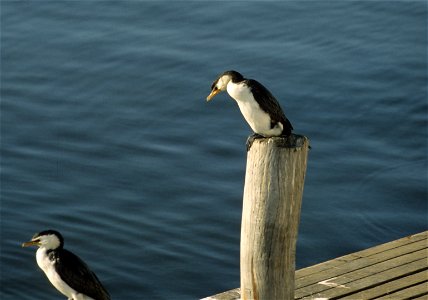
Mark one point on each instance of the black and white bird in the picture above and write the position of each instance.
(66, 271)
(258, 106)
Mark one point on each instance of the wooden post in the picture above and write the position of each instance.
(273, 192)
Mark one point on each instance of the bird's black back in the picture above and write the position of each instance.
(269, 104)
(78, 275)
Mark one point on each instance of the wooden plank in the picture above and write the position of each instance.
(364, 253)
(389, 287)
(229, 295)
(419, 290)
(346, 275)
(358, 285)
(379, 259)
(421, 297)
(234, 294)
(358, 263)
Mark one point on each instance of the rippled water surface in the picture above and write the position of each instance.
(106, 135)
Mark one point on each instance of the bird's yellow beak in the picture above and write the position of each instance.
(213, 93)
(30, 243)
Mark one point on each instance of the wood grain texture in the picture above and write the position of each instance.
(273, 193)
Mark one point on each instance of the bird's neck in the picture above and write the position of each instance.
(238, 91)
(46, 257)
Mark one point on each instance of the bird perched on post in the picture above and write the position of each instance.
(258, 106)
(67, 272)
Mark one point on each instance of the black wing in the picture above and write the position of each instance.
(78, 276)
(269, 104)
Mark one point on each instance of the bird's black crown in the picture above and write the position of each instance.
(234, 75)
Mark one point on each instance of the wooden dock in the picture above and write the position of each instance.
(395, 270)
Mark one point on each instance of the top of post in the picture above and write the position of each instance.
(292, 141)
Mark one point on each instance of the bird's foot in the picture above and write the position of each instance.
(251, 140)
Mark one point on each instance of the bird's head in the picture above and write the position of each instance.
(49, 239)
(220, 84)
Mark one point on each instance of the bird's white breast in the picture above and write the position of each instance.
(48, 267)
(258, 119)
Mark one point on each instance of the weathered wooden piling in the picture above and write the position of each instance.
(273, 192)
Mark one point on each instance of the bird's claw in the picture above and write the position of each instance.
(251, 139)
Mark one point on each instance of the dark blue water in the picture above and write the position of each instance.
(106, 135)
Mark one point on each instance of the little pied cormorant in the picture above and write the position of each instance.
(258, 106)
(67, 272)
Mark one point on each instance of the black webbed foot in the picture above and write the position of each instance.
(251, 140)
